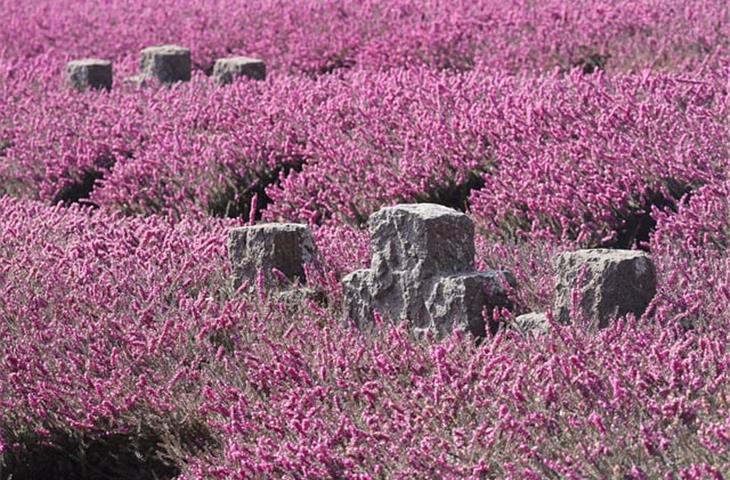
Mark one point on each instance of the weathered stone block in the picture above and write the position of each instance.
(532, 323)
(166, 63)
(89, 73)
(226, 70)
(421, 239)
(610, 282)
(357, 288)
(136, 80)
(422, 271)
(287, 247)
(458, 302)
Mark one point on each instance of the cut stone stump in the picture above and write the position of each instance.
(166, 63)
(89, 73)
(532, 323)
(421, 240)
(358, 299)
(258, 249)
(226, 70)
(456, 302)
(610, 283)
(422, 271)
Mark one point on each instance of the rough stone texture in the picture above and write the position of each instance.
(136, 80)
(284, 246)
(226, 70)
(358, 299)
(422, 271)
(457, 302)
(166, 63)
(421, 239)
(89, 73)
(532, 323)
(614, 283)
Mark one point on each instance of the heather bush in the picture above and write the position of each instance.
(560, 157)
(126, 353)
(123, 332)
(318, 37)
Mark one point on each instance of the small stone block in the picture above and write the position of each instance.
(89, 73)
(358, 297)
(425, 239)
(226, 70)
(166, 63)
(610, 282)
(457, 302)
(532, 324)
(286, 247)
(135, 80)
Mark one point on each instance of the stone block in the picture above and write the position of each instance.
(89, 73)
(610, 283)
(357, 288)
(227, 70)
(421, 239)
(457, 302)
(136, 80)
(422, 272)
(166, 63)
(287, 247)
(532, 324)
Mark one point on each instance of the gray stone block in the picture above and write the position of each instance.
(422, 272)
(532, 324)
(89, 73)
(287, 247)
(458, 302)
(357, 288)
(166, 63)
(610, 282)
(226, 70)
(421, 239)
(136, 80)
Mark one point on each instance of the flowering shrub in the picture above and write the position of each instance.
(124, 352)
(112, 324)
(578, 158)
(315, 37)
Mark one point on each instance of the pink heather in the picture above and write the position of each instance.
(557, 125)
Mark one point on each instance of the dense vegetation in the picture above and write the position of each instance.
(124, 352)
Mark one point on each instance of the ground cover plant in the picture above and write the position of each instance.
(126, 353)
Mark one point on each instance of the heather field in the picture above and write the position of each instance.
(126, 353)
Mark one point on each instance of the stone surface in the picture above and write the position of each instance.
(532, 323)
(287, 247)
(358, 299)
(610, 282)
(226, 70)
(421, 239)
(136, 80)
(456, 302)
(422, 271)
(89, 73)
(166, 63)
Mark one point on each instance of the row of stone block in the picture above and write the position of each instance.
(422, 271)
(165, 64)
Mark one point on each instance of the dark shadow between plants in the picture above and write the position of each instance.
(146, 453)
(636, 225)
(453, 195)
(78, 190)
(4, 145)
(81, 185)
(234, 199)
(108, 457)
